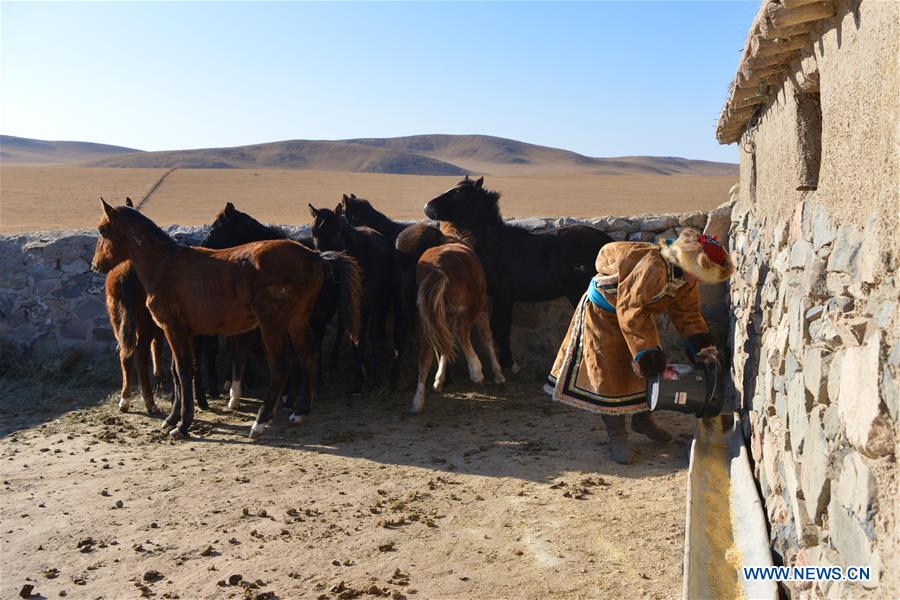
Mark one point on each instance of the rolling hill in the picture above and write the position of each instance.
(26, 151)
(412, 155)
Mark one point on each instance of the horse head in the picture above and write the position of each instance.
(468, 203)
(327, 227)
(111, 248)
(358, 211)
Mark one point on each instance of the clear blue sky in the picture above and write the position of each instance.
(603, 79)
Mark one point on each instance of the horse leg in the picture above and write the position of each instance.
(359, 373)
(465, 341)
(211, 348)
(199, 391)
(336, 349)
(182, 345)
(240, 348)
(441, 375)
(142, 358)
(305, 366)
(426, 356)
(501, 325)
(484, 330)
(126, 362)
(274, 337)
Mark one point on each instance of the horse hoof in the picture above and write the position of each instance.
(500, 380)
(296, 419)
(124, 404)
(515, 367)
(152, 410)
(177, 434)
(257, 430)
(166, 424)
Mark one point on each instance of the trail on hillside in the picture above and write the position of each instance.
(143, 202)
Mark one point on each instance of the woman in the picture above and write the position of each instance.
(612, 344)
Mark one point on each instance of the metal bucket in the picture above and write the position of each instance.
(697, 391)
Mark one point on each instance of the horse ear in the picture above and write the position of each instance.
(107, 209)
(229, 207)
(466, 178)
(129, 202)
(479, 183)
(339, 210)
(352, 195)
(313, 211)
(345, 198)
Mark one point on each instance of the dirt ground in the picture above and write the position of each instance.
(490, 493)
(39, 198)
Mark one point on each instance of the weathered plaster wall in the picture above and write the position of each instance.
(815, 303)
(50, 301)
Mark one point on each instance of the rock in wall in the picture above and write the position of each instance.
(816, 355)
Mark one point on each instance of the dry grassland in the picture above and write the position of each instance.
(39, 198)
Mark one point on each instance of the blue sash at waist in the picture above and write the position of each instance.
(598, 299)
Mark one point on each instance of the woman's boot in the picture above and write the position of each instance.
(642, 423)
(617, 431)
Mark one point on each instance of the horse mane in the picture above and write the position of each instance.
(148, 230)
(249, 227)
(488, 203)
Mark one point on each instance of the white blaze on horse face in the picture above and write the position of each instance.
(235, 395)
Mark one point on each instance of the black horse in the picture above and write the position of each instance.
(332, 232)
(520, 265)
(234, 228)
(409, 242)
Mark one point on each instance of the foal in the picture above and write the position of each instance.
(452, 298)
(192, 291)
(139, 339)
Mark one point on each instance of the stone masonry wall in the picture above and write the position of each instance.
(51, 302)
(816, 346)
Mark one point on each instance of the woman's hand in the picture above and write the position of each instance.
(650, 363)
(702, 348)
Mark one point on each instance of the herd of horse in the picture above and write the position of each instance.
(359, 269)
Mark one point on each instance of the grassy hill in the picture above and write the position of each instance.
(448, 155)
(26, 151)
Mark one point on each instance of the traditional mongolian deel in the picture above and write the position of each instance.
(613, 325)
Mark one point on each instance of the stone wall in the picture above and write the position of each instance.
(815, 303)
(816, 369)
(51, 302)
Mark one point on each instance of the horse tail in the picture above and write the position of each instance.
(342, 267)
(129, 302)
(432, 305)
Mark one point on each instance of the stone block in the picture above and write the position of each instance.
(816, 362)
(798, 413)
(90, 308)
(814, 282)
(814, 466)
(823, 231)
(850, 528)
(858, 399)
(699, 221)
(658, 223)
(846, 247)
(801, 255)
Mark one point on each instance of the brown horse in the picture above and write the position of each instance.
(194, 291)
(138, 337)
(452, 298)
